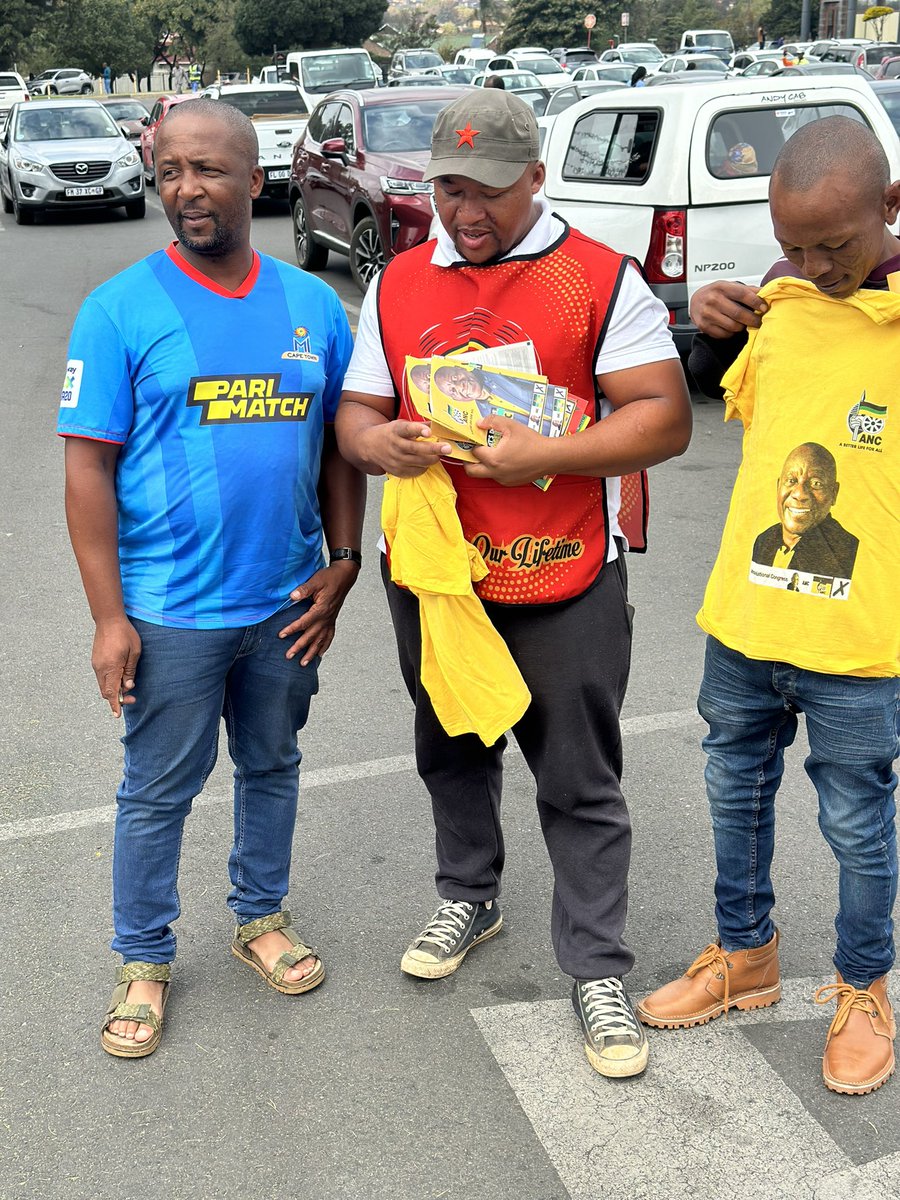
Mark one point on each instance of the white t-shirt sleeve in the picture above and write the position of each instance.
(368, 371)
(638, 331)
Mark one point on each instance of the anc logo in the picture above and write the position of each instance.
(866, 422)
(246, 399)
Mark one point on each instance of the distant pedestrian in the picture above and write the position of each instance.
(761, 38)
(107, 79)
(195, 76)
(639, 78)
(495, 81)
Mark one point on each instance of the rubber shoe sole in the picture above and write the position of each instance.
(859, 1089)
(619, 1068)
(750, 1000)
(439, 970)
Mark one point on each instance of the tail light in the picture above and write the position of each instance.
(668, 246)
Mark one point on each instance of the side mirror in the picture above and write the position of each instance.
(334, 148)
(145, 120)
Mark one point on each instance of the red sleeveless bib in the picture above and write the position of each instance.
(541, 547)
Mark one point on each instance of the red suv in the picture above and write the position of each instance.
(356, 180)
(151, 126)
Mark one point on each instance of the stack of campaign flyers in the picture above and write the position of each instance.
(454, 393)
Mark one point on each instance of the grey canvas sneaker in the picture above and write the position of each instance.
(448, 937)
(614, 1041)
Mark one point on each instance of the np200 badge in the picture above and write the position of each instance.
(701, 267)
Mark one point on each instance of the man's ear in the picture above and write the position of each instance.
(891, 202)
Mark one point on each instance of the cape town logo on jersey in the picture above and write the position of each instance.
(866, 422)
(301, 348)
(246, 399)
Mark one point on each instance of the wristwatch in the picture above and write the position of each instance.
(344, 553)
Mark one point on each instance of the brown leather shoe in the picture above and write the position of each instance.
(714, 982)
(859, 1049)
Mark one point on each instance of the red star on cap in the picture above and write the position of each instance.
(467, 136)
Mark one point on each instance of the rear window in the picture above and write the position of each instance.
(875, 54)
(612, 146)
(747, 142)
(267, 104)
(9, 81)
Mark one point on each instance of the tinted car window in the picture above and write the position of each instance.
(321, 123)
(343, 127)
(126, 110)
(280, 104)
(612, 146)
(9, 81)
(747, 142)
(393, 127)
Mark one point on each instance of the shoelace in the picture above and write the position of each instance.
(447, 925)
(848, 998)
(714, 958)
(607, 1008)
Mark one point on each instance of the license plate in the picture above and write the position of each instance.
(84, 191)
(279, 174)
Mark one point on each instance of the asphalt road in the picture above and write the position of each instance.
(375, 1086)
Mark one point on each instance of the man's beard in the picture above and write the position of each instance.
(219, 244)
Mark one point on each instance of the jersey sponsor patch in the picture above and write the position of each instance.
(246, 399)
(68, 397)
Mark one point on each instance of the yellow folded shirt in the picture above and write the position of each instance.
(467, 669)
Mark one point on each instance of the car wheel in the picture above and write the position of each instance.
(135, 209)
(52, 90)
(87, 90)
(366, 253)
(24, 216)
(7, 201)
(149, 176)
(310, 255)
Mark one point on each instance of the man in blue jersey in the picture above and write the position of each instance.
(197, 409)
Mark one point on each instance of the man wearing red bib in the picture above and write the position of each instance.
(504, 270)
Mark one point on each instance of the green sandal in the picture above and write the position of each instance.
(120, 1010)
(275, 978)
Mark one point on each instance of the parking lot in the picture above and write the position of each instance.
(377, 1086)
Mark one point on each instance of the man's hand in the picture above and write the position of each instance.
(724, 308)
(519, 455)
(398, 449)
(117, 648)
(328, 590)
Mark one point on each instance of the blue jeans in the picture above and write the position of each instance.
(186, 681)
(852, 725)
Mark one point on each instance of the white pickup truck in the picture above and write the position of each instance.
(678, 176)
(279, 115)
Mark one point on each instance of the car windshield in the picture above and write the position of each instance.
(642, 56)
(539, 66)
(422, 59)
(329, 72)
(399, 127)
(713, 41)
(287, 103)
(47, 75)
(9, 81)
(126, 110)
(458, 74)
(39, 123)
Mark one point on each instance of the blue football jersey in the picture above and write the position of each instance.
(219, 402)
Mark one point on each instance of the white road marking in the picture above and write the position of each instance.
(710, 1118)
(323, 777)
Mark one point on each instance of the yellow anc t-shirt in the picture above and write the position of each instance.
(809, 565)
